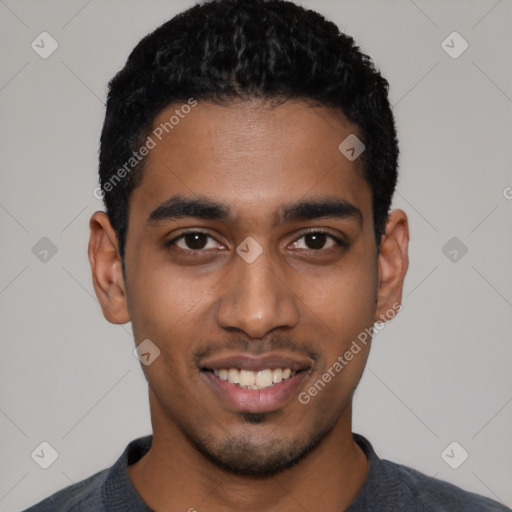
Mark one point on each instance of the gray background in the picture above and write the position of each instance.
(439, 372)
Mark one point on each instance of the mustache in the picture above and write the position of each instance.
(256, 347)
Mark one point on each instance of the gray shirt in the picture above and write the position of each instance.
(388, 487)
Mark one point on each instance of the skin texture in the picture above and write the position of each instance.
(296, 299)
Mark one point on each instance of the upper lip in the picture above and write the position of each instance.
(270, 361)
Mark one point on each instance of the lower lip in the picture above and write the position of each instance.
(255, 400)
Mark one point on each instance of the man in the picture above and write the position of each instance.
(248, 161)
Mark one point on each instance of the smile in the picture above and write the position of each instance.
(261, 383)
(248, 379)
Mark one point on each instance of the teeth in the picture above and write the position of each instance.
(264, 379)
(247, 378)
(277, 376)
(234, 376)
(254, 380)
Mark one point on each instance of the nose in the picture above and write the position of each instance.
(256, 298)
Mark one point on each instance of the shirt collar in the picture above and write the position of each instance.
(119, 493)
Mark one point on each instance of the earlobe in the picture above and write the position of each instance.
(106, 269)
(393, 262)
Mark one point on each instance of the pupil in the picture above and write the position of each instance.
(316, 241)
(196, 241)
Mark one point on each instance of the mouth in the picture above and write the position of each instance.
(255, 384)
(248, 379)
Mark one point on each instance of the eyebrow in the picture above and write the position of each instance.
(318, 208)
(179, 207)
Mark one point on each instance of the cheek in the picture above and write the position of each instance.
(161, 300)
(345, 300)
(166, 307)
(345, 304)
(331, 390)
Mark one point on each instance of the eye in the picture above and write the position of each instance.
(317, 240)
(195, 241)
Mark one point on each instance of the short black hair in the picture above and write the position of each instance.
(225, 50)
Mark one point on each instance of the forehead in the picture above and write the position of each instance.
(251, 157)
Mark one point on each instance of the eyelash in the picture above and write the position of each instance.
(169, 245)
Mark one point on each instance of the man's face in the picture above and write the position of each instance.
(208, 307)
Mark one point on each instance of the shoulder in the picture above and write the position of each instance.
(390, 487)
(429, 494)
(109, 489)
(84, 495)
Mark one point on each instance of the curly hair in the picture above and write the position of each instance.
(224, 50)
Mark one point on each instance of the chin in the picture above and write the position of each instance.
(253, 456)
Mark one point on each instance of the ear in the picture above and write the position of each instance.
(107, 275)
(393, 262)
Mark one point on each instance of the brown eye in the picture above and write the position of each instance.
(317, 241)
(195, 241)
